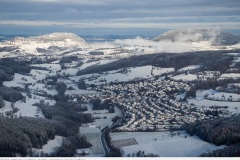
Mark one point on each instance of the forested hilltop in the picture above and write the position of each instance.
(220, 131)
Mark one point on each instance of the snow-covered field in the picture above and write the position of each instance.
(184, 77)
(27, 109)
(236, 59)
(73, 71)
(234, 54)
(234, 84)
(19, 80)
(93, 135)
(50, 146)
(225, 96)
(92, 131)
(80, 92)
(188, 68)
(41, 74)
(49, 66)
(199, 101)
(124, 75)
(39, 87)
(163, 144)
(230, 75)
(105, 118)
(33, 80)
(180, 96)
(233, 106)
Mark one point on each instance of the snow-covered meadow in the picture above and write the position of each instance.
(103, 117)
(188, 68)
(93, 135)
(163, 144)
(208, 98)
(72, 71)
(123, 75)
(185, 77)
(50, 146)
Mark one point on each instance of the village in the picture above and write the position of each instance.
(147, 105)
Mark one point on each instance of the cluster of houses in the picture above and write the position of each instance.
(150, 105)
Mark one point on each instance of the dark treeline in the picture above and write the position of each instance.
(7, 49)
(42, 59)
(70, 144)
(20, 134)
(71, 112)
(210, 60)
(39, 68)
(220, 131)
(9, 66)
(209, 84)
(231, 151)
(215, 83)
(68, 59)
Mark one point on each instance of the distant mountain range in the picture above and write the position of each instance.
(174, 41)
(217, 38)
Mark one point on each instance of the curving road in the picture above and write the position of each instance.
(107, 129)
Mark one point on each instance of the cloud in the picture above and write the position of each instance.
(219, 25)
(167, 14)
(148, 46)
(190, 40)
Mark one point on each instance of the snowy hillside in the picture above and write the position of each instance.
(45, 44)
(215, 37)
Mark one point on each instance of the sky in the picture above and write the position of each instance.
(117, 17)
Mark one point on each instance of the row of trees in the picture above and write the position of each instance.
(142, 154)
(231, 151)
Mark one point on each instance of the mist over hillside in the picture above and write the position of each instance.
(178, 41)
(173, 41)
(215, 37)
